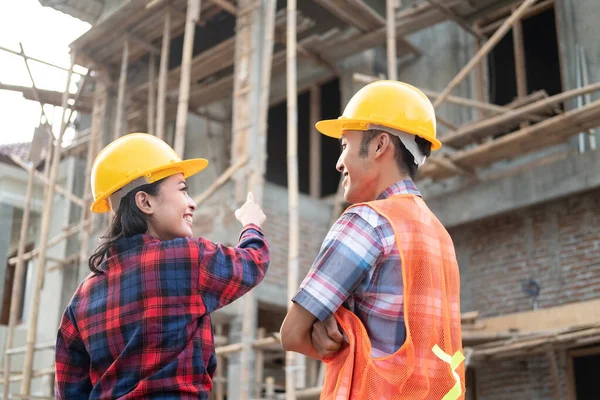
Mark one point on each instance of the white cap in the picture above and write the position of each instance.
(407, 139)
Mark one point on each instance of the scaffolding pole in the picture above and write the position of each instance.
(18, 284)
(292, 178)
(161, 96)
(390, 6)
(483, 51)
(193, 15)
(151, 94)
(45, 231)
(119, 123)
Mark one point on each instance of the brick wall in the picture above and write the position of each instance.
(556, 243)
(527, 379)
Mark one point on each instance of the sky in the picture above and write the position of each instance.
(45, 34)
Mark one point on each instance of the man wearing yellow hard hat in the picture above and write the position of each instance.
(139, 326)
(381, 303)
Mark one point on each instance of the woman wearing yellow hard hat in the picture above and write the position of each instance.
(139, 326)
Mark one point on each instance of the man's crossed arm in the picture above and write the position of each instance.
(302, 333)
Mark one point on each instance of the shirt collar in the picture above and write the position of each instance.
(130, 242)
(406, 186)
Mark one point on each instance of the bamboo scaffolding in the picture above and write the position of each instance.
(221, 180)
(390, 13)
(315, 143)
(519, 50)
(485, 49)
(245, 133)
(41, 268)
(259, 147)
(494, 125)
(40, 177)
(535, 137)
(292, 180)
(121, 93)
(47, 96)
(151, 94)
(37, 97)
(531, 12)
(459, 20)
(69, 231)
(92, 149)
(37, 60)
(18, 283)
(193, 15)
(462, 101)
(162, 80)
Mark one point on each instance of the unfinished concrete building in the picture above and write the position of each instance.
(515, 86)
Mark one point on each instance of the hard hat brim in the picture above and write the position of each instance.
(335, 127)
(185, 167)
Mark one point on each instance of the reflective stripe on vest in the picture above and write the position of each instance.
(422, 368)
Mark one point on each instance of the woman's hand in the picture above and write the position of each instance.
(250, 212)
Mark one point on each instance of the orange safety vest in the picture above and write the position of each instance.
(429, 363)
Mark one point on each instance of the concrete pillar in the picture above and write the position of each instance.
(6, 222)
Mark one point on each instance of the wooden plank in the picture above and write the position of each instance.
(494, 125)
(547, 133)
(568, 315)
(553, 367)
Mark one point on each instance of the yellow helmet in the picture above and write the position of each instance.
(392, 104)
(138, 157)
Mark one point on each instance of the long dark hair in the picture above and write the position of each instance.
(127, 221)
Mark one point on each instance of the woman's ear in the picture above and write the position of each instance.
(144, 202)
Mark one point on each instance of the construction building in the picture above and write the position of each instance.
(515, 85)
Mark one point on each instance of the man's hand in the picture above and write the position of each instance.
(326, 337)
(250, 212)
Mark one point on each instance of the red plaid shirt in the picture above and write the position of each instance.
(142, 329)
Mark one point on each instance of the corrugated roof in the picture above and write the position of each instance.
(20, 150)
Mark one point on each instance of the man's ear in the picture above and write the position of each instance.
(144, 202)
(383, 142)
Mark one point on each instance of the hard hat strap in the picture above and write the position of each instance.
(407, 139)
(115, 199)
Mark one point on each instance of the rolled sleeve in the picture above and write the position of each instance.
(348, 255)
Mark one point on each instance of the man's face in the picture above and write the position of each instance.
(357, 170)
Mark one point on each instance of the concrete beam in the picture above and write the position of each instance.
(565, 177)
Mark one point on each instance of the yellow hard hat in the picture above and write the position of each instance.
(392, 104)
(135, 156)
